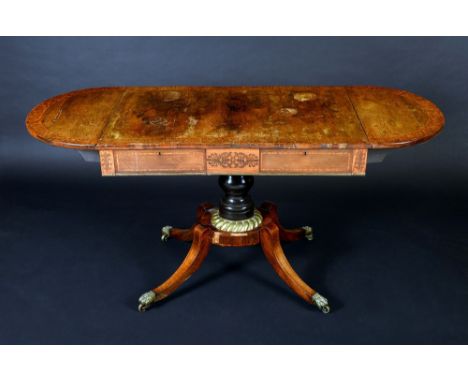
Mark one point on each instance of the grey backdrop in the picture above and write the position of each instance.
(76, 250)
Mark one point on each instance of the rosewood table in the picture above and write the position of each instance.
(235, 132)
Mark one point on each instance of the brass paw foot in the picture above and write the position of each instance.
(321, 302)
(146, 300)
(165, 233)
(308, 232)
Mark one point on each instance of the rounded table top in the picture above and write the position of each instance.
(200, 117)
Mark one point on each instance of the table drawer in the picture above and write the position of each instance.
(321, 162)
(234, 161)
(148, 162)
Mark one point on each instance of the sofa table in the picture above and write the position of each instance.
(235, 133)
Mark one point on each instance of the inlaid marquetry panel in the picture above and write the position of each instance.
(232, 161)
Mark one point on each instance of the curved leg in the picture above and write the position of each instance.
(197, 253)
(168, 232)
(270, 241)
(186, 234)
(286, 234)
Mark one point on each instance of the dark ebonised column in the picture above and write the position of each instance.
(236, 203)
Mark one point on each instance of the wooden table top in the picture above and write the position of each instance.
(244, 117)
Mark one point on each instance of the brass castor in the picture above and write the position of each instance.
(165, 233)
(146, 300)
(321, 302)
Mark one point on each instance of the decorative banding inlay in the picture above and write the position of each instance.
(106, 158)
(359, 161)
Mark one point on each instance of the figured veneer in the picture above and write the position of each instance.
(308, 117)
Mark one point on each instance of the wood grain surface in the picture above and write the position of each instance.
(235, 117)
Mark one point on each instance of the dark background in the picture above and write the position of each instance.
(77, 250)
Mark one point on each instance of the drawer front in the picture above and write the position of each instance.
(148, 162)
(320, 162)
